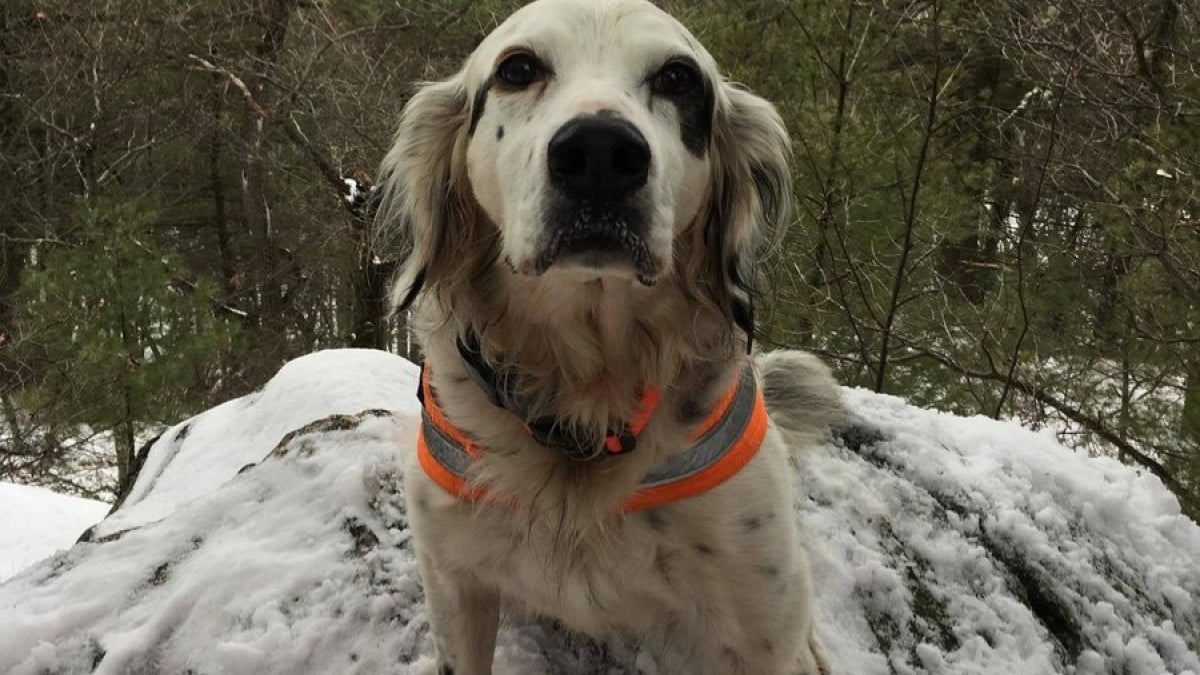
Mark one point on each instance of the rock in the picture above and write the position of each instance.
(269, 535)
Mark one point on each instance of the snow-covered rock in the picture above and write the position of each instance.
(36, 523)
(268, 535)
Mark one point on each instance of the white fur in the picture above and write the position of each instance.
(602, 53)
(716, 584)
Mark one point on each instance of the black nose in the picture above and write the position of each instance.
(598, 157)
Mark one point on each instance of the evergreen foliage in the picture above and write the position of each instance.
(123, 344)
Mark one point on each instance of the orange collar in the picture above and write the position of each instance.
(721, 445)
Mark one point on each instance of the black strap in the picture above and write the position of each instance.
(497, 385)
(482, 373)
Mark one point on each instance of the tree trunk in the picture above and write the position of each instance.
(371, 281)
(217, 187)
(14, 252)
(910, 202)
(1190, 427)
(255, 209)
(123, 428)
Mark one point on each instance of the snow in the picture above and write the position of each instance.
(239, 432)
(356, 193)
(353, 190)
(35, 523)
(991, 549)
(268, 535)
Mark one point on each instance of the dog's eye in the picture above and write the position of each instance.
(520, 70)
(675, 78)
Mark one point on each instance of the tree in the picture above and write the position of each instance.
(124, 340)
(996, 201)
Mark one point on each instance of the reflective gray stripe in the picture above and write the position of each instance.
(445, 450)
(706, 452)
(714, 444)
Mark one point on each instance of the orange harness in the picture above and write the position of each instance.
(721, 445)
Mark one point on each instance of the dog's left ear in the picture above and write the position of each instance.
(751, 196)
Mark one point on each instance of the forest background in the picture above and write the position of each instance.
(996, 206)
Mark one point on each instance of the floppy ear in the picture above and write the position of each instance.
(424, 198)
(751, 197)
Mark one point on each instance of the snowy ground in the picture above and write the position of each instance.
(35, 523)
(268, 535)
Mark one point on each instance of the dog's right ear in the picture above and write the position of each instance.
(751, 197)
(423, 198)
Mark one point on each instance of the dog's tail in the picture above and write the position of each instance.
(800, 392)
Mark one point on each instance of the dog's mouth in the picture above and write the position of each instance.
(602, 241)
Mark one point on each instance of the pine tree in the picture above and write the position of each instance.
(125, 340)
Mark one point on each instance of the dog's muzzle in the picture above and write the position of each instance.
(598, 166)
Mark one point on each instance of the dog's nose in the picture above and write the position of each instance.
(598, 157)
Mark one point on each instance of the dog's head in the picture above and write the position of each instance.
(582, 139)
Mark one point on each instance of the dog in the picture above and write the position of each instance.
(583, 204)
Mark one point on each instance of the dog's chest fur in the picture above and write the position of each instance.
(639, 573)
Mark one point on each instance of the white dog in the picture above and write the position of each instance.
(584, 200)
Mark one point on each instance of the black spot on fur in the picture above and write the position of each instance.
(730, 654)
(766, 646)
(755, 523)
(691, 410)
(500, 133)
(657, 522)
(478, 105)
(183, 432)
(769, 571)
(445, 670)
(662, 564)
(704, 549)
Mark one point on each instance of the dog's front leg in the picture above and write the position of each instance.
(464, 616)
(778, 636)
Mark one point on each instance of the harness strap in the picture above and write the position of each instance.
(499, 387)
(721, 445)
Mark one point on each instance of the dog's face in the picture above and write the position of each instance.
(586, 139)
(589, 136)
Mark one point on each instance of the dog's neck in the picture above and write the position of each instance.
(582, 348)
